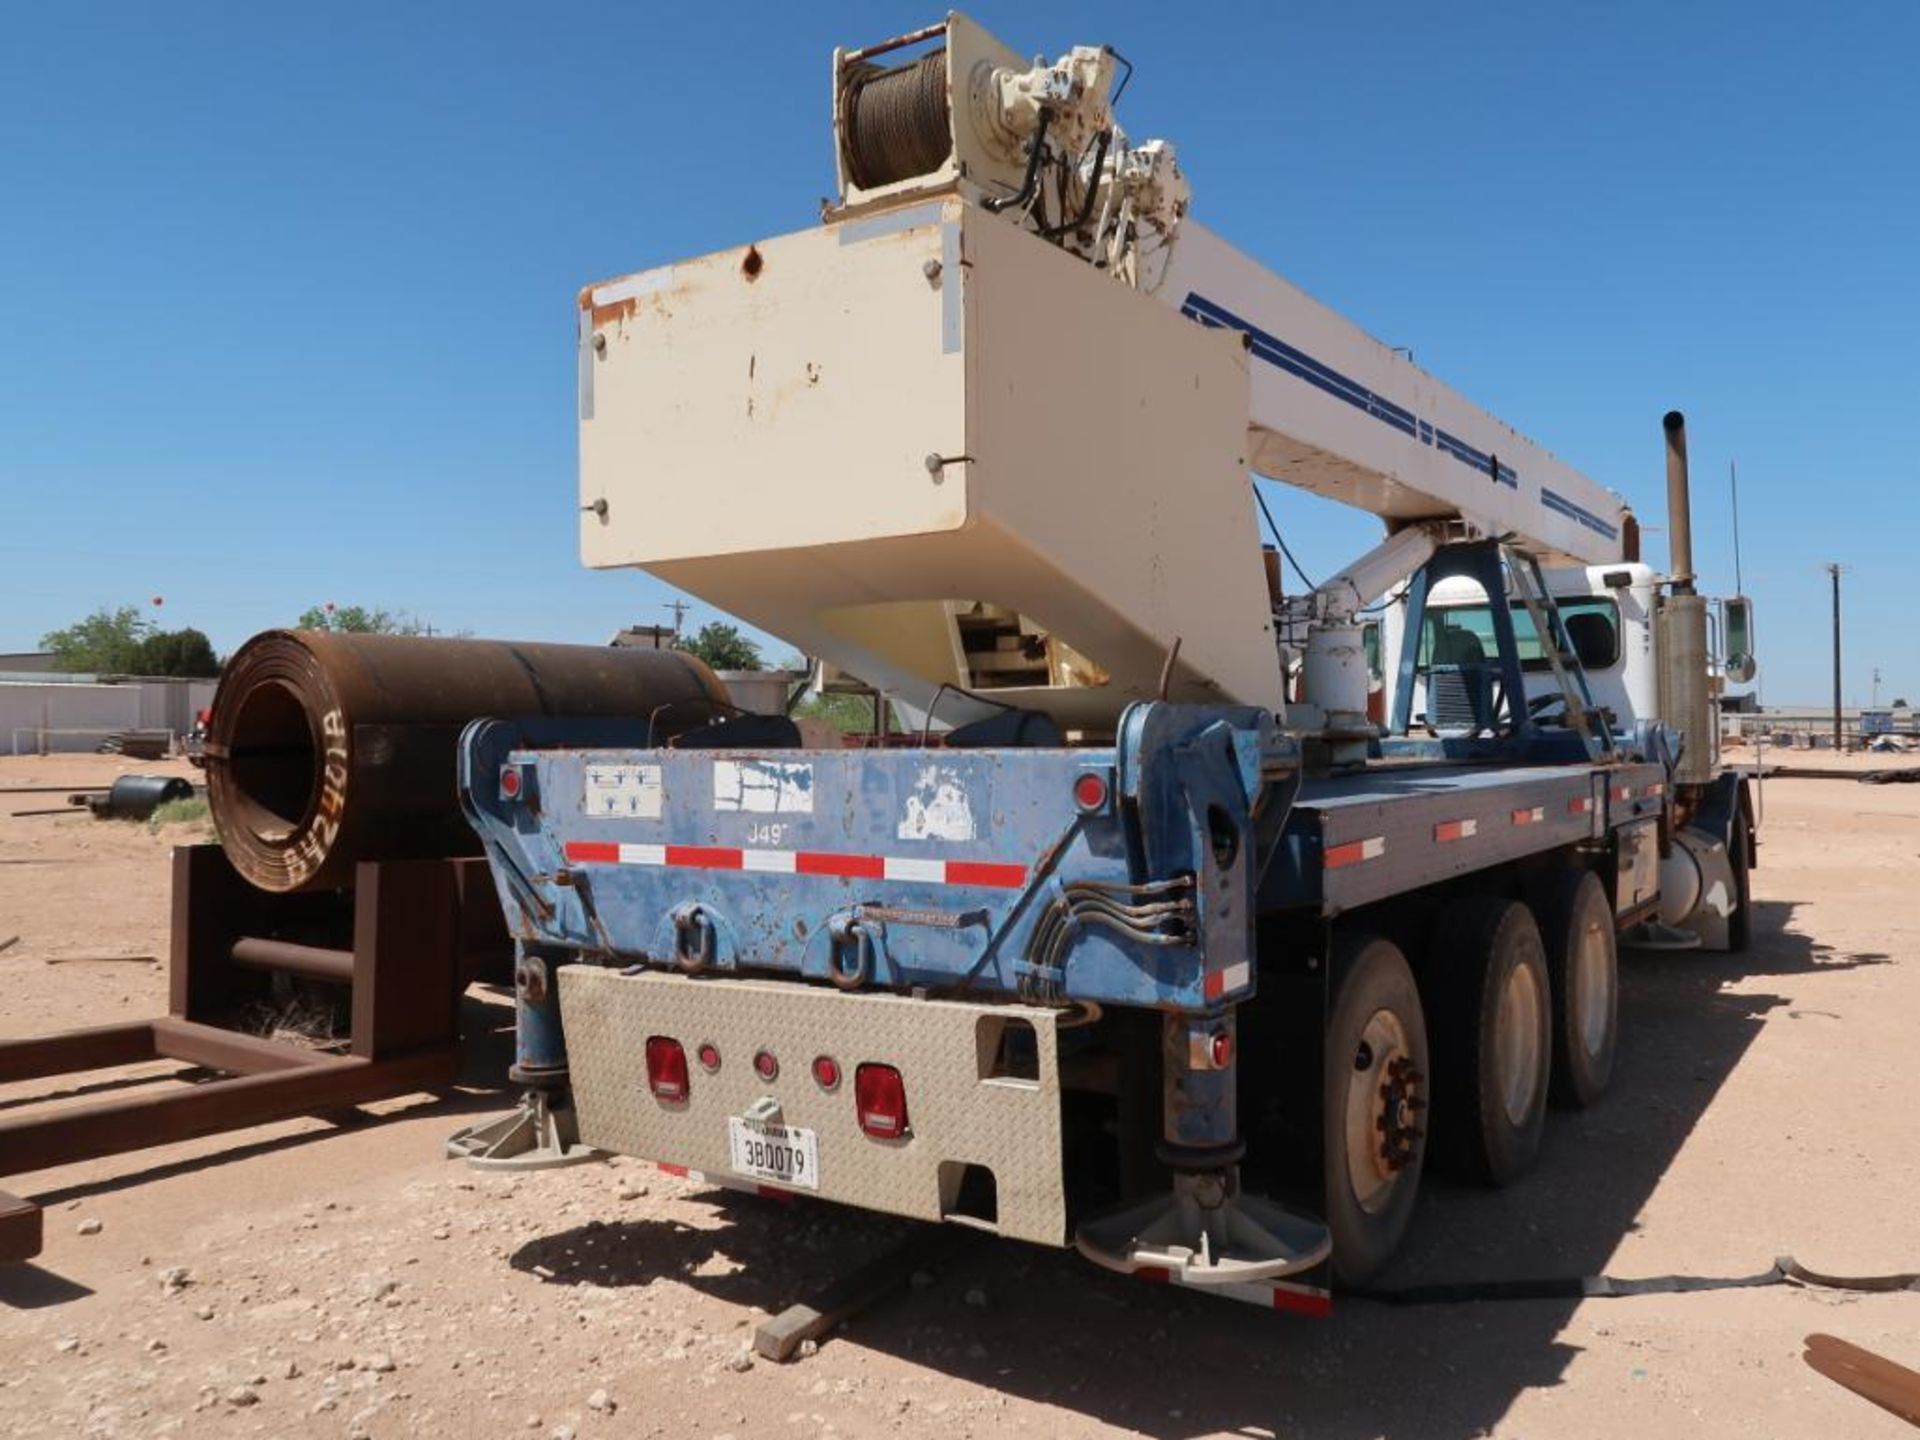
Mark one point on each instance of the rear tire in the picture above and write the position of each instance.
(1492, 1039)
(1375, 1093)
(1576, 929)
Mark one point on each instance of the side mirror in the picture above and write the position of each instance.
(1740, 665)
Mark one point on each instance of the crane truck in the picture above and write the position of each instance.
(1178, 936)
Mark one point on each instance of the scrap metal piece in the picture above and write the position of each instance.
(135, 797)
(1894, 1388)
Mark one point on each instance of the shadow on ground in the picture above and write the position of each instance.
(1170, 1364)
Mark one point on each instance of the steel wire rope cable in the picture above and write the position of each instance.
(899, 122)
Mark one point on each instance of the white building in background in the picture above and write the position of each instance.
(44, 712)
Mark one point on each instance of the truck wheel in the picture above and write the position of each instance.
(1492, 1038)
(1576, 929)
(1375, 1097)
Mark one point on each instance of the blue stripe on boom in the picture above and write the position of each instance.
(1561, 505)
(1282, 356)
(1477, 459)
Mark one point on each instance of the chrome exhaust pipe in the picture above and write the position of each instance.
(1686, 701)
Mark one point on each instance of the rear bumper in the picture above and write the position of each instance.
(963, 1117)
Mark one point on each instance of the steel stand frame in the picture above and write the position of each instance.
(413, 926)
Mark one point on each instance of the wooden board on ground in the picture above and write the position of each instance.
(779, 1337)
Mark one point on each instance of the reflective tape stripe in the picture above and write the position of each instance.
(1270, 1294)
(911, 869)
(933, 871)
(849, 867)
(1234, 977)
(982, 872)
(1354, 851)
(704, 857)
(770, 862)
(1530, 817)
(728, 1182)
(1456, 830)
(1580, 805)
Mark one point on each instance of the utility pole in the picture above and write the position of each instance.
(1833, 570)
(679, 609)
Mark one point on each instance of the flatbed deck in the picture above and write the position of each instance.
(1369, 834)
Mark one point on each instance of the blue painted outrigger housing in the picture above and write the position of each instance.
(1120, 875)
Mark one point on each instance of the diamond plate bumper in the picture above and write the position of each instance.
(961, 1113)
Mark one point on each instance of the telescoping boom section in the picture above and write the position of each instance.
(1337, 412)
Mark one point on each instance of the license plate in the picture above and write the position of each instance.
(780, 1153)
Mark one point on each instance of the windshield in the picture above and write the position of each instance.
(1463, 634)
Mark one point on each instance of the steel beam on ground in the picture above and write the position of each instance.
(96, 1048)
(41, 1142)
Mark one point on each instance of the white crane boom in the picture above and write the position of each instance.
(1335, 411)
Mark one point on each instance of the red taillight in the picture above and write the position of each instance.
(709, 1054)
(1090, 791)
(1222, 1050)
(509, 782)
(826, 1072)
(666, 1069)
(880, 1100)
(766, 1067)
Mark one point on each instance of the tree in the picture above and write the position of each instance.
(850, 713)
(359, 620)
(177, 652)
(723, 647)
(107, 642)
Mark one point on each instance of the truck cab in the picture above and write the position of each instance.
(1608, 611)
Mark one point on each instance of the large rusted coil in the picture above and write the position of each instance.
(327, 749)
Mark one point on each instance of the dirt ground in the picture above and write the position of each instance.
(316, 1279)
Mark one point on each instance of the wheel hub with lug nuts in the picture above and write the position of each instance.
(1385, 1095)
(1400, 1107)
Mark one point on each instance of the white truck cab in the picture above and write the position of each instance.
(1609, 614)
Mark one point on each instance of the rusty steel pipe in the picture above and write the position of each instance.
(313, 962)
(328, 749)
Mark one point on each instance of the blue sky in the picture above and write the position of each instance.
(286, 292)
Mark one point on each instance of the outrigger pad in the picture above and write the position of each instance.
(1206, 1233)
(537, 1136)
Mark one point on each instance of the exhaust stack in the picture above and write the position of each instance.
(1686, 701)
(1679, 505)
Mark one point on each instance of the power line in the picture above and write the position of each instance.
(1833, 569)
